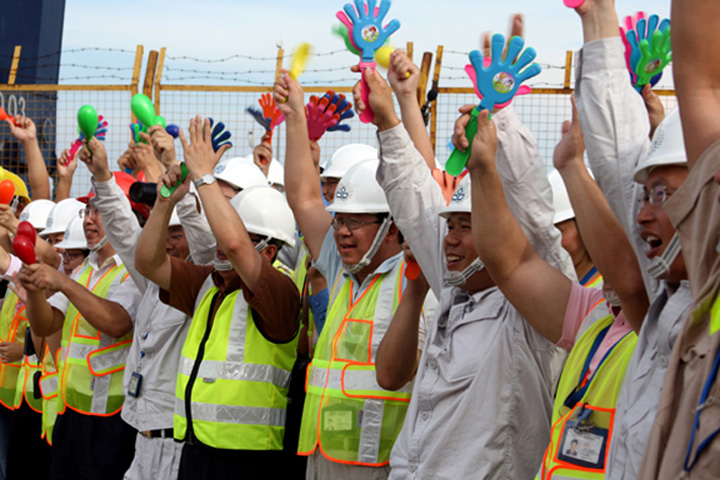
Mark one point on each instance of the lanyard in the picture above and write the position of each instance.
(703, 398)
(589, 276)
(584, 382)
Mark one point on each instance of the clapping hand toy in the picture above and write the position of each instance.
(650, 50)
(324, 114)
(573, 3)
(344, 109)
(142, 107)
(270, 117)
(382, 55)
(219, 135)
(23, 244)
(300, 58)
(496, 84)
(630, 25)
(100, 132)
(5, 116)
(367, 33)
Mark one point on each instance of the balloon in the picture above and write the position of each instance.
(7, 192)
(87, 119)
(26, 230)
(143, 109)
(23, 249)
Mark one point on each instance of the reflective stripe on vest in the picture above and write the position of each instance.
(49, 385)
(13, 323)
(239, 396)
(92, 364)
(597, 406)
(347, 414)
(26, 384)
(50, 389)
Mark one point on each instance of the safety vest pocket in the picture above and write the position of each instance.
(107, 360)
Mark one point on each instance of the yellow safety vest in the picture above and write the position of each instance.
(92, 363)
(50, 391)
(232, 382)
(589, 423)
(299, 276)
(26, 384)
(13, 323)
(347, 414)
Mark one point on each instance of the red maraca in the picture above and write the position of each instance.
(7, 192)
(26, 230)
(23, 249)
(5, 116)
(412, 269)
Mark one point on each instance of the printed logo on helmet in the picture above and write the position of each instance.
(49, 222)
(459, 195)
(67, 233)
(342, 193)
(24, 216)
(219, 169)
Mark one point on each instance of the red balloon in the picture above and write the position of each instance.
(7, 192)
(23, 249)
(27, 230)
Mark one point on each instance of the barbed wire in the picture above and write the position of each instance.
(73, 65)
(71, 50)
(248, 72)
(243, 56)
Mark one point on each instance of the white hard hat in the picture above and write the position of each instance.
(174, 219)
(276, 173)
(359, 192)
(345, 157)
(561, 200)
(74, 235)
(264, 211)
(240, 173)
(37, 212)
(61, 215)
(668, 148)
(461, 199)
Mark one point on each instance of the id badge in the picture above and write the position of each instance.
(338, 420)
(583, 444)
(135, 382)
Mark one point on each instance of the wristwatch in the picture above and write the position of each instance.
(206, 179)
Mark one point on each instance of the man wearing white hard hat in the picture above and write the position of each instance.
(481, 402)
(235, 174)
(349, 422)
(235, 363)
(93, 308)
(637, 175)
(59, 218)
(149, 380)
(340, 162)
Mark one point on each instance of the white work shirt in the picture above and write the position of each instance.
(481, 403)
(126, 293)
(616, 127)
(160, 330)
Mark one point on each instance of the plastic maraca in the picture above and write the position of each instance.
(412, 269)
(24, 249)
(165, 191)
(142, 107)
(300, 58)
(496, 84)
(4, 116)
(87, 119)
(573, 3)
(26, 229)
(100, 133)
(7, 192)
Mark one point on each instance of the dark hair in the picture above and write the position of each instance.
(381, 217)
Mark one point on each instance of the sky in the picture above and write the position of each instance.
(215, 29)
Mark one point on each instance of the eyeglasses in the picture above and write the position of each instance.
(657, 196)
(88, 212)
(69, 256)
(351, 223)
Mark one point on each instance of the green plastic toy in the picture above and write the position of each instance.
(87, 119)
(166, 191)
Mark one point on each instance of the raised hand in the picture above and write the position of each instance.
(200, 157)
(403, 74)
(22, 128)
(571, 147)
(100, 133)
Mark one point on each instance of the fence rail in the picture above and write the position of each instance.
(53, 107)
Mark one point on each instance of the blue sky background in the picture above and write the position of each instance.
(220, 28)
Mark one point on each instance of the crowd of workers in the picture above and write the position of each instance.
(376, 317)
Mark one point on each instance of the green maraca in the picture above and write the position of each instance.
(142, 107)
(87, 119)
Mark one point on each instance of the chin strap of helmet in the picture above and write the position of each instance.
(100, 244)
(226, 265)
(660, 266)
(457, 279)
(377, 241)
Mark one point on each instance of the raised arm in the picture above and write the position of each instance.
(38, 176)
(201, 241)
(602, 234)
(404, 77)
(696, 72)
(66, 171)
(302, 182)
